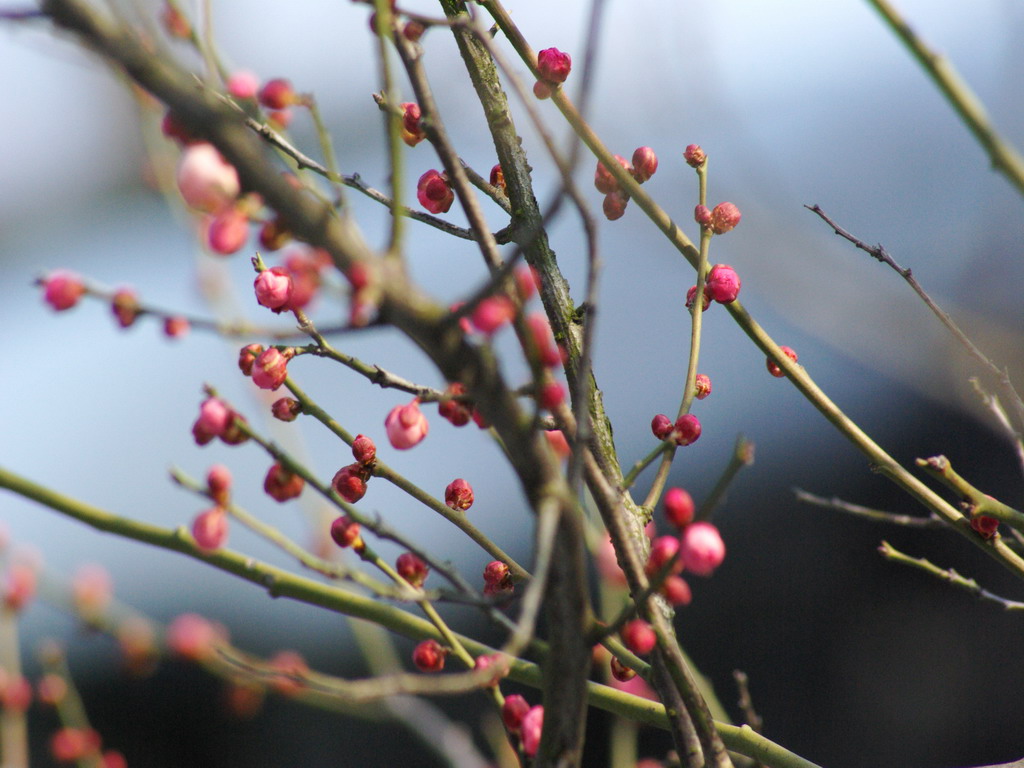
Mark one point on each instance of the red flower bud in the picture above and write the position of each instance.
(277, 94)
(345, 533)
(350, 482)
(687, 429)
(457, 413)
(62, 289)
(429, 656)
(412, 131)
(125, 306)
(679, 507)
(210, 528)
(433, 192)
(639, 637)
(513, 710)
(694, 156)
(722, 284)
(701, 386)
(773, 367)
(620, 671)
(281, 484)
(645, 163)
(247, 356)
(661, 426)
(286, 409)
(411, 568)
(553, 66)
(364, 450)
(614, 205)
(702, 548)
(459, 495)
(724, 217)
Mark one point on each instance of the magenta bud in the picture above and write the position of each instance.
(722, 284)
(724, 217)
(553, 65)
(687, 429)
(645, 163)
(661, 426)
(694, 156)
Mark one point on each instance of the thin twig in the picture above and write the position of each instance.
(875, 515)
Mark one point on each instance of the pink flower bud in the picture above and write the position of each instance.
(527, 283)
(513, 710)
(663, 551)
(605, 182)
(694, 156)
(676, 591)
(192, 637)
(661, 426)
(679, 507)
(429, 656)
(553, 66)
(459, 495)
(773, 367)
(645, 163)
(702, 215)
(228, 231)
(364, 450)
(91, 589)
(206, 181)
(281, 484)
(175, 327)
(551, 395)
(349, 482)
(345, 533)
(639, 637)
(543, 90)
(497, 579)
(724, 217)
(492, 313)
(614, 205)
(497, 178)
(433, 192)
(125, 306)
(411, 568)
(19, 586)
(687, 429)
(406, 425)
(543, 340)
(247, 357)
(412, 131)
(286, 409)
(214, 417)
(210, 528)
(556, 439)
(701, 386)
(273, 288)
(270, 369)
(702, 548)
(457, 413)
(243, 84)
(531, 727)
(218, 484)
(62, 289)
(722, 284)
(691, 292)
(278, 94)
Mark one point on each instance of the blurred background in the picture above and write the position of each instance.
(852, 661)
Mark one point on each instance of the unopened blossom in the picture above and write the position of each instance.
(434, 193)
(91, 589)
(773, 367)
(406, 425)
(210, 528)
(702, 548)
(412, 568)
(243, 84)
(278, 94)
(349, 482)
(639, 637)
(207, 182)
(679, 507)
(286, 409)
(492, 313)
(125, 306)
(62, 289)
(429, 656)
(513, 711)
(274, 288)
(645, 163)
(497, 578)
(218, 484)
(605, 182)
(281, 484)
(687, 429)
(722, 284)
(192, 637)
(553, 65)
(227, 231)
(531, 728)
(176, 326)
(364, 451)
(724, 217)
(412, 129)
(459, 495)
(694, 156)
(701, 386)
(614, 205)
(345, 533)
(270, 369)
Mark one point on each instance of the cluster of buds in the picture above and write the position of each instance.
(434, 192)
(644, 165)
(210, 185)
(701, 549)
(406, 425)
(721, 219)
(412, 129)
(722, 284)
(684, 431)
(553, 68)
(218, 419)
(411, 30)
(498, 579)
(350, 481)
(458, 413)
(664, 563)
(523, 720)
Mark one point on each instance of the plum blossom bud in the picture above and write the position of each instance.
(214, 417)
(192, 637)
(349, 482)
(486, 662)
(286, 409)
(531, 727)
(702, 215)
(614, 205)
(492, 313)
(227, 231)
(218, 484)
(174, 129)
(553, 65)
(691, 292)
(985, 526)
(497, 178)
(457, 413)
(694, 156)
(175, 327)
(91, 589)
(125, 306)
(543, 90)
(497, 578)
(620, 671)
(412, 131)
(773, 367)
(278, 94)
(62, 289)
(433, 192)
(281, 484)
(645, 163)
(556, 439)
(429, 656)
(207, 182)
(345, 533)
(459, 495)
(210, 528)
(661, 426)
(639, 637)
(722, 284)
(551, 395)
(412, 568)
(605, 182)
(274, 288)
(513, 710)
(19, 586)
(701, 386)
(364, 450)
(679, 507)
(702, 548)
(274, 234)
(243, 84)
(676, 591)
(271, 368)
(543, 340)
(527, 283)
(663, 551)
(406, 425)
(724, 217)
(687, 429)
(247, 357)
